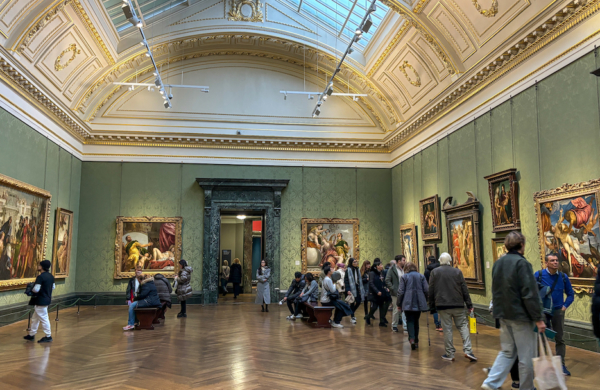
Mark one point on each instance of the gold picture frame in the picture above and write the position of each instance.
(318, 245)
(21, 200)
(431, 228)
(503, 189)
(147, 226)
(498, 248)
(410, 248)
(564, 215)
(61, 250)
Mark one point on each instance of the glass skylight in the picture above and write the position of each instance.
(333, 14)
(150, 8)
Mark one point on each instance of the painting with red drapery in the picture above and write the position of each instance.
(167, 236)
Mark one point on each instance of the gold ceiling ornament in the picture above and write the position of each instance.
(39, 25)
(58, 65)
(92, 30)
(389, 48)
(236, 14)
(417, 81)
(488, 13)
(420, 5)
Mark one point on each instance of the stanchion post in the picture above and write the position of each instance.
(57, 306)
(29, 322)
(78, 307)
(95, 301)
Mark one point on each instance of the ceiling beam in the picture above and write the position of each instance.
(300, 6)
(347, 18)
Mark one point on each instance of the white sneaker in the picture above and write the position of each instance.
(291, 317)
(486, 387)
(337, 325)
(353, 320)
(299, 316)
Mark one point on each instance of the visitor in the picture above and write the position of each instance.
(339, 284)
(294, 292)
(596, 307)
(412, 300)
(433, 264)
(379, 295)
(330, 295)
(309, 293)
(147, 297)
(448, 295)
(133, 286)
(559, 285)
(365, 268)
(263, 294)
(164, 289)
(235, 276)
(224, 276)
(354, 287)
(40, 300)
(517, 304)
(392, 281)
(184, 287)
(514, 370)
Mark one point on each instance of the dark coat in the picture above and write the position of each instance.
(184, 288)
(295, 289)
(235, 274)
(514, 289)
(130, 288)
(164, 288)
(447, 289)
(392, 280)
(44, 296)
(596, 306)
(148, 296)
(376, 285)
(413, 292)
(430, 268)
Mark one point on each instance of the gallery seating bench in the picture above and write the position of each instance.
(146, 317)
(160, 314)
(319, 315)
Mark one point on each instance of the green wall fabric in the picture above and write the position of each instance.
(28, 156)
(549, 132)
(158, 189)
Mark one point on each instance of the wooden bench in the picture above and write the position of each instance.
(318, 315)
(160, 314)
(146, 317)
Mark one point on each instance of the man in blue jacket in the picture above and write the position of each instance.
(559, 285)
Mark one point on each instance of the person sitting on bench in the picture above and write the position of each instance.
(146, 298)
(293, 293)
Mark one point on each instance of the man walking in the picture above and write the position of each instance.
(448, 294)
(392, 281)
(433, 264)
(292, 293)
(41, 299)
(517, 304)
(559, 285)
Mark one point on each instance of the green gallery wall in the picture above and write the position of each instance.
(28, 156)
(550, 133)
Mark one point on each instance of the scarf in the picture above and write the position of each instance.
(353, 277)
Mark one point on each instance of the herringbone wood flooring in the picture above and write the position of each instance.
(236, 346)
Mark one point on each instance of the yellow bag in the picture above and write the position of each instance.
(472, 323)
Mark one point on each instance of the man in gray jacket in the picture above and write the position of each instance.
(392, 281)
(517, 304)
(448, 294)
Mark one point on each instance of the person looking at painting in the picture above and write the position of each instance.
(392, 281)
(559, 285)
(365, 268)
(517, 304)
(263, 293)
(293, 293)
(184, 287)
(379, 294)
(147, 297)
(433, 264)
(235, 277)
(448, 295)
(40, 300)
(354, 286)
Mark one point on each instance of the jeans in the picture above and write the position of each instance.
(132, 318)
(236, 289)
(355, 305)
(290, 305)
(412, 322)
(557, 324)
(224, 285)
(436, 320)
(517, 339)
(337, 317)
(40, 315)
(396, 314)
(460, 321)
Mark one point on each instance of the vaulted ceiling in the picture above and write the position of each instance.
(421, 60)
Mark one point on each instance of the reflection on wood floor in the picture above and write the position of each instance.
(237, 346)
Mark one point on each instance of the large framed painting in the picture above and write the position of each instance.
(428, 251)
(504, 199)
(61, 250)
(328, 240)
(498, 248)
(150, 243)
(430, 218)
(24, 216)
(567, 222)
(408, 242)
(462, 223)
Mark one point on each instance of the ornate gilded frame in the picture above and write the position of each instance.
(467, 210)
(566, 191)
(435, 250)
(496, 242)
(59, 213)
(118, 248)
(15, 284)
(436, 208)
(304, 227)
(511, 176)
(413, 231)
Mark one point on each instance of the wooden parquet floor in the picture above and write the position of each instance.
(235, 346)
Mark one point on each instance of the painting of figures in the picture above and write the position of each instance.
(504, 200)
(567, 220)
(430, 218)
(498, 248)
(328, 241)
(24, 211)
(152, 244)
(63, 231)
(408, 241)
(430, 250)
(461, 242)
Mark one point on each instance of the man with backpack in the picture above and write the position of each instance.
(553, 286)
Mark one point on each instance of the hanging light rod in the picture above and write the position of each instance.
(203, 88)
(319, 93)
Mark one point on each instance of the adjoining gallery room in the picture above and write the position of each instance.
(300, 194)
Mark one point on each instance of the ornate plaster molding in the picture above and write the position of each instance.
(236, 15)
(488, 13)
(391, 46)
(417, 80)
(58, 64)
(420, 5)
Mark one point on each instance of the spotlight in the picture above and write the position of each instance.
(150, 88)
(319, 103)
(310, 97)
(324, 97)
(316, 112)
(241, 217)
(355, 98)
(358, 31)
(148, 54)
(350, 50)
(329, 91)
(373, 8)
(170, 96)
(167, 104)
(157, 81)
(285, 96)
(143, 43)
(130, 16)
(357, 37)
(131, 88)
(162, 91)
(367, 25)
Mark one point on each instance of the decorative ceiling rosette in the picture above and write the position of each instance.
(58, 65)
(246, 11)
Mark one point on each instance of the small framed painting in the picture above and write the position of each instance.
(498, 248)
(504, 199)
(430, 218)
(428, 251)
(408, 240)
(61, 250)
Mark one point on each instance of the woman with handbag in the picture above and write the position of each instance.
(183, 287)
(263, 294)
(354, 287)
(224, 276)
(331, 297)
(413, 292)
(379, 295)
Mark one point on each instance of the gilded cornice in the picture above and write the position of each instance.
(420, 5)
(92, 30)
(548, 31)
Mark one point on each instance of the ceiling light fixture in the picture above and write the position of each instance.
(241, 217)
